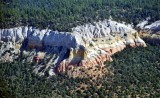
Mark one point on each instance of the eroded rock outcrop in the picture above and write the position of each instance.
(151, 33)
(154, 27)
(87, 45)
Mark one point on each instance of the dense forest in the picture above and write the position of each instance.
(133, 73)
(62, 15)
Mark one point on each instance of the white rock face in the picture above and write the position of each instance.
(13, 34)
(55, 38)
(89, 44)
(80, 35)
(36, 37)
(17, 34)
(102, 29)
(154, 27)
(142, 24)
(25, 32)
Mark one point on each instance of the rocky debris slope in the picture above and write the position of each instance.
(52, 51)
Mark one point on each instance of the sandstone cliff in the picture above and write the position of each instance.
(87, 45)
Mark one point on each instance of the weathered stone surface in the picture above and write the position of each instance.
(13, 35)
(151, 33)
(55, 38)
(154, 27)
(35, 38)
(142, 24)
(87, 45)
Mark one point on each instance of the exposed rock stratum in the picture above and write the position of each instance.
(54, 52)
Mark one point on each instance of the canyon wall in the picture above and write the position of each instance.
(54, 52)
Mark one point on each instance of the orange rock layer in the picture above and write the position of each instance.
(91, 62)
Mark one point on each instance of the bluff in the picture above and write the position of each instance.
(151, 32)
(55, 52)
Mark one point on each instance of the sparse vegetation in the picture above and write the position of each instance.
(134, 72)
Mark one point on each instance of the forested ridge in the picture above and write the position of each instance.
(64, 14)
